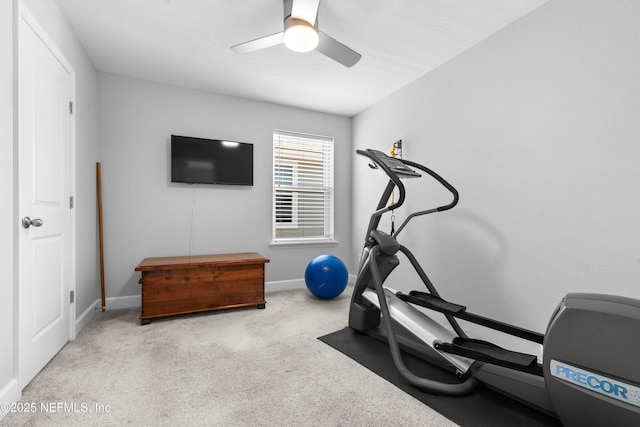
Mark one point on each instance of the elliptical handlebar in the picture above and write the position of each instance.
(443, 182)
(375, 156)
(392, 166)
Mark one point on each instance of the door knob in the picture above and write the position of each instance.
(28, 222)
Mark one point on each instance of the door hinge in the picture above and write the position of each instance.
(70, 202)
(72, 296)
(70, 107)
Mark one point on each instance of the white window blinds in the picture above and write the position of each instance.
(302, 187)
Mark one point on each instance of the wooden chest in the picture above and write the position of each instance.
(179, 285)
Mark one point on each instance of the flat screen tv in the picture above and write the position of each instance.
(211, 161)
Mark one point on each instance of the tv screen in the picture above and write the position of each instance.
(211, 161)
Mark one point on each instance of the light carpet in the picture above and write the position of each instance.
(241, 367)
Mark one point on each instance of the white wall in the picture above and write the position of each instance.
(50, 17)
(538, 128)
(8, 332)
(145, 215)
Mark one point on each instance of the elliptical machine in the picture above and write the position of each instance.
(590, 372)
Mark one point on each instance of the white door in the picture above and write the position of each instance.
(45, 89)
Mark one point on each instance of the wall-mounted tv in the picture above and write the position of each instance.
(211, 161)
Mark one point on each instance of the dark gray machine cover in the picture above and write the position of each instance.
(592, 360)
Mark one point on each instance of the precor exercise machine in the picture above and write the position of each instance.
(590, 370)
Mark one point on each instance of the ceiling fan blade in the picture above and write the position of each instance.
(257, 44)
(306, 10)
(337, 51)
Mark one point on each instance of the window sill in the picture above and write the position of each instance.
(298, 243)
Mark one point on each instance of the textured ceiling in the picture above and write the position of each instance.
(187, 43)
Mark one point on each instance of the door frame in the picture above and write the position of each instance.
(26, 17)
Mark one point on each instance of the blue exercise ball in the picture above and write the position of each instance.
(326, 276)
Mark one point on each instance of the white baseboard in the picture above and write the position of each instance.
(287, 285)
(284, 285)
(86, 316)
(10, 393)
(115, 303)
(132, 301)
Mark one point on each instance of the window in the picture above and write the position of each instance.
(286, 206)
(302, 188)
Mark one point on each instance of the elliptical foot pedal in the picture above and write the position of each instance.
(488, 352)
(432, 302)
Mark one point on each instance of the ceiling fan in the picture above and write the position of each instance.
(301, 34)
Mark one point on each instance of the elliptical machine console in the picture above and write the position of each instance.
(589, 374)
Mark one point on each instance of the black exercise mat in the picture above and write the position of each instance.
(483, 407)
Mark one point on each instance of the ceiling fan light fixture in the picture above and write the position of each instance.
(300, 36)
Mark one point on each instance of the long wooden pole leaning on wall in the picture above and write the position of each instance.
(99, 182)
